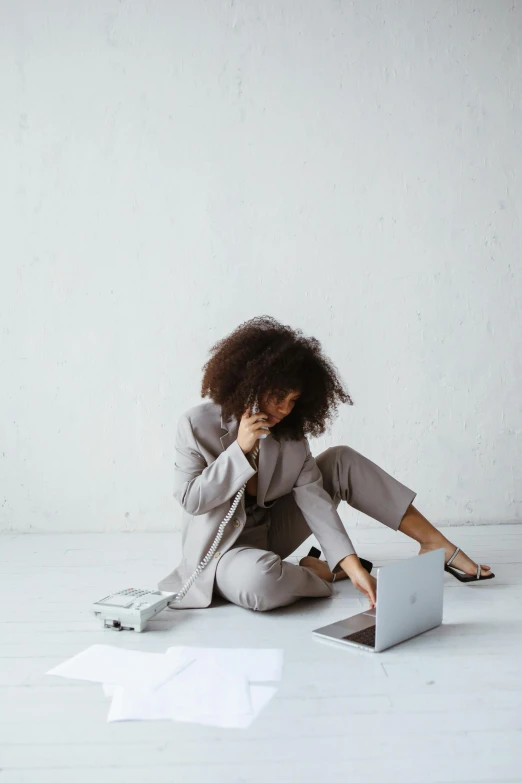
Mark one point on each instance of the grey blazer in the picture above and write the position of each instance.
(211, 467)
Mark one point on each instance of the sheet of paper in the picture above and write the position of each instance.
(260, 696)
(117, 666)
(198, 693)
(257, 665)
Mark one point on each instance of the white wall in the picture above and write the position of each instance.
(171, 169)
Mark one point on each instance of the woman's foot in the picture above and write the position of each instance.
(321, 568)
(462, 562)
(416, 526)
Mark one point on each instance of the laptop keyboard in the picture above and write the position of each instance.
(366, 636)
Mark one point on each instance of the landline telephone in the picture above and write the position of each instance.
(130, 609)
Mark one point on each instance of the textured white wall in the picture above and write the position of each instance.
(171, 169)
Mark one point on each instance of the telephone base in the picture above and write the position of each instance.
(130, 609)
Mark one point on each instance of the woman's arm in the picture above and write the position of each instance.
(199, 487)
(320, 512)
(325, 523)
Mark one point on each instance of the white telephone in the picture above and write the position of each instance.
(130, 609)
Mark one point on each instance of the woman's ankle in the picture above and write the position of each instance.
(416, 526)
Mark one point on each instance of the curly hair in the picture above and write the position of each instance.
(262, 356)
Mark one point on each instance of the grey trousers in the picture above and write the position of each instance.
(253, 573)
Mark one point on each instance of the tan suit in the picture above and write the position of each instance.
(297, 495)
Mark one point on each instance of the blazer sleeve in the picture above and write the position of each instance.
(320, 512)
(199, 487)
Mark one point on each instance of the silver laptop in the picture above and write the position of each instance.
(409, 602)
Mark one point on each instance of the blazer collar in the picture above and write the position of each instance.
(269, 449)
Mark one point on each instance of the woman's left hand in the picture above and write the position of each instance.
(360, 578)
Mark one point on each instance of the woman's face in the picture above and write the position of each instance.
(277, 410)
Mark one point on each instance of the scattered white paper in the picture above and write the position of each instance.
(257, 665)
(216, 689)
(206, 685)
(201, 691)
(109, 690)
(117, 666)
(260, 696)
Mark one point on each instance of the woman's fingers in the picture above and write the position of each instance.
(367, 586)
(373, 597)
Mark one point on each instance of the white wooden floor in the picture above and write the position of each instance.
(445, 706)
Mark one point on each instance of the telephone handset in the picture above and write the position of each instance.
(130, 609)
(255, 409)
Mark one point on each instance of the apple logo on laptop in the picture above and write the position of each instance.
(413, 598)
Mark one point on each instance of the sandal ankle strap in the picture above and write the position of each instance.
(454, 555)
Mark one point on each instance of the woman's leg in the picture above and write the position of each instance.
(416, 526)
(258, 579)
(348, 475)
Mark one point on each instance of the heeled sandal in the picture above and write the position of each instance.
(460, 575)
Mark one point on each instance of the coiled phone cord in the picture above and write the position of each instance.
(210, 554)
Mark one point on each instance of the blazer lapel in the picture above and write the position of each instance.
(231, 427)
(269, 449)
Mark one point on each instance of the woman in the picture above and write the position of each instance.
(289, 495)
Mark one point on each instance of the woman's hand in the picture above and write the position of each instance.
(360, 578)
(250, 429)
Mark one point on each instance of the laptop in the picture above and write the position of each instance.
(409, 602)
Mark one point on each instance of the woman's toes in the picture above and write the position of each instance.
(464, 563)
